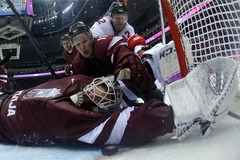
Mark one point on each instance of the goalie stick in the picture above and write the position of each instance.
(234, 115)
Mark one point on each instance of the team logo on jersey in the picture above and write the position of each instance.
(42, 93)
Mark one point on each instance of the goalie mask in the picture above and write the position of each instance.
(104, 92)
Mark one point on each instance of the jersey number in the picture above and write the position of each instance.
(102, 20)
(127, 35)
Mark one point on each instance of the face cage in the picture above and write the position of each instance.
(111, 97)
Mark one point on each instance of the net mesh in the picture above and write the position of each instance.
(212, 28)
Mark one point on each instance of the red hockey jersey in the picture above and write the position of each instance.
(3, 77)
(69, 57)
(46, 115)
(112, 55)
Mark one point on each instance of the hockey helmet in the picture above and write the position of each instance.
(64, 37)
(104, 92)
(117, 8)
(78, 28)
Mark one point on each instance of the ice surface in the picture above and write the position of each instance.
(223, 144)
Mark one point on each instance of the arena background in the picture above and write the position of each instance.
(51, 19)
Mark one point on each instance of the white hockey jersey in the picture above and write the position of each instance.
(104, 27)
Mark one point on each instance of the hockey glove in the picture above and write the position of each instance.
(157, 94)
(124, 74)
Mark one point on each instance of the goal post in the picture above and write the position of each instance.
(203, 29)
(176, 38)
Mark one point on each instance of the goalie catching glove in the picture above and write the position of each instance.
(204, 96)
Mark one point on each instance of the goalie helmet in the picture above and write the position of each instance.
(104, 92)
(78, 28)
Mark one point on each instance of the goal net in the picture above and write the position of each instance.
(203, 30)
(206, 35)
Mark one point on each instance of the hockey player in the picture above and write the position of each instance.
(116, 24)
(46, 114)
(53, 113)
(110, 55)
(69, 53)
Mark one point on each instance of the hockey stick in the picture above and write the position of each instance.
(234, 115)
(6, 58)
(31, 38)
